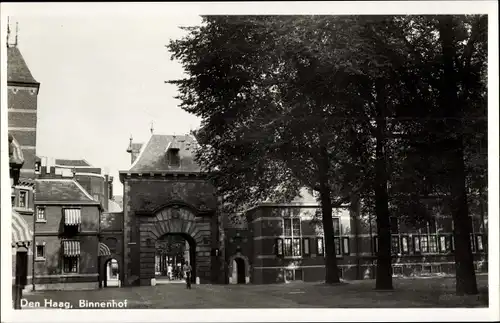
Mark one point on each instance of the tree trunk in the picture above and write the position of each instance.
(464, 262)
(331, 269)
(384, 261)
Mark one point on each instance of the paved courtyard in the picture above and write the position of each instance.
(422, 292)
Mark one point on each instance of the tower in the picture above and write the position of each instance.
(22, 97)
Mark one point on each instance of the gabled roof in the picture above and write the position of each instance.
(114, 206)
(153, 155)
(17, 69)
(62, 191)
(72, 162)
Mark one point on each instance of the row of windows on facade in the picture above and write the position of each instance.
(70, 264)
(292, 244)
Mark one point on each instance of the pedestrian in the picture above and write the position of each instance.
(187, 273)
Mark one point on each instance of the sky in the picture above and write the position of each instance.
(102, 81)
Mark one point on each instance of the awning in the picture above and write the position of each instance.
(21, 231)
(71, 248)
(72, 217)
(104, 250)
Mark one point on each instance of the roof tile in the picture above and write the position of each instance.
(61, 190)
(17, 69)
(153, 158)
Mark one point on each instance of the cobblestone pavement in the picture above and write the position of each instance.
(430, 292)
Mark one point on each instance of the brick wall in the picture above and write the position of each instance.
(23, 98)
(144, 196)
(358, 261)
(49, 270)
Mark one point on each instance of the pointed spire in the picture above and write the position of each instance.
(8, 31)
(17, 33)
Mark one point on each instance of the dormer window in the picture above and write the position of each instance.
(38, 166)
(23, 199)
(173, 157)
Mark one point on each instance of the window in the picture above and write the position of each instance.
(345, 245)
(23, 199)
(13, 200)
(37, 167)
(40, 214)
(336, 227)
(319, 246)
(375, 244)
(472, 243)
(395, 244)
(477, 237)
(279, 247)
(40, 251)
(404, 244)
(338, 247)
(173, 157)
(479, 242)
(395, 238)
(293, 274)
(306, 247)
(416, 244)
(292, 237)
(70, 264)
(426, 241)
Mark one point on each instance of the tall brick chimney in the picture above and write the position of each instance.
(133, 149)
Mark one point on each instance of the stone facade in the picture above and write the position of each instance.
(156, 206)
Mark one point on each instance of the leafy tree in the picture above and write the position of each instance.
(273, 121)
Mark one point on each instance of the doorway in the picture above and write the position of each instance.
(172, 252)
(240, 271)
(111, 273)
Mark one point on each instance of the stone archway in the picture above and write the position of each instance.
(175, 219)
(238, 259)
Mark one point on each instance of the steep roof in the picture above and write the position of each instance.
(62, 190)
(153, 155)
(17, 69)
(72, 162)
(114, 206)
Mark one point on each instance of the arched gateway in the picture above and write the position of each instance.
(179, 220)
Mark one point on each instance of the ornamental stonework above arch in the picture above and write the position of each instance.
(237, 221)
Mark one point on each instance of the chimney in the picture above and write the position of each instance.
(110, 187)
(133, 149)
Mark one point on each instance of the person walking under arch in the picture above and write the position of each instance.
(187, 274)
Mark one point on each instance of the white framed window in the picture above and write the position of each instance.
(306, 247)
(345, 245)
(71, 264)
(426, 241)
(292, 237)
(279, 247)
(320, 246)
(23, 198)
(40, 251)
(40, 214)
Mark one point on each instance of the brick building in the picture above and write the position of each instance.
(22, 93)
(66, 236)
(98, 185)
(268, 243)
(166, 193)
